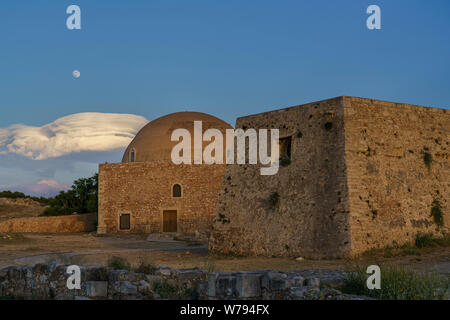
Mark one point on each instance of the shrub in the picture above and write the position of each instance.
(328, 126)
(285, 162)
(222, 218)
(146, 267)
(398, 284)
(118, 263)
(427, 159)
(424, 240)
(299, 134)
(436, 213)
(274, 199)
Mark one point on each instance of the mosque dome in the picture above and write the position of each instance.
(153, 141)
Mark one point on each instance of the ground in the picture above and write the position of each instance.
(90, 249)
(19, 208)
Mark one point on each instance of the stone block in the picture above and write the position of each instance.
(248, 285)
(164, 271)
(313, 282)
(211, 291)
(97, 288)
(125, 287)
(226, 286)
(152, 279)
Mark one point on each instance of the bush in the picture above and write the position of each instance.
(118, 263)
(398, 284)
(436, 213)
(427, 159)
(285, 162)
(274, 199)
(424, 240)
(146, 267)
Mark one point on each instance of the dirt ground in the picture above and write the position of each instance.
(92, 249)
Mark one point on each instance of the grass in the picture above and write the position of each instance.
(118, 263)
(421, 241)
(210, 263)
(173, 292)
(424, 240)
(398, 284)
(145, 267)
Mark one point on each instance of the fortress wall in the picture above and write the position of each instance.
(63, 224)
(391, 188)
(311, 219)
(144, 190)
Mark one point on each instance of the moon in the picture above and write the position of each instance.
(76, 73)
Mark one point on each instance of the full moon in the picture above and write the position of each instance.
(76, 73)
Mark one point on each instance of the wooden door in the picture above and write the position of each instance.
(170, 221)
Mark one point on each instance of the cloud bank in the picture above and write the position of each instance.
(90, 131)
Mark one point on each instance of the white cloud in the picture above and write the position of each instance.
(79, 132)
(44, 187)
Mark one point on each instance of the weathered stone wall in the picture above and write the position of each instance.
(144, 190)
(391, 188)
(72, 223)
(50, 282)
(357, 180)
(311, 218)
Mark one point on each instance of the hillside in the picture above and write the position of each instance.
(19, 208)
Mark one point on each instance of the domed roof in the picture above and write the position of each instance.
(153, 141)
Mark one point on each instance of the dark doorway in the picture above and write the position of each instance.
(170, 221)
(124, 222)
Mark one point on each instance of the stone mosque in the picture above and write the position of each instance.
(356, 174)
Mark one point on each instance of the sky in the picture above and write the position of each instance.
(139, 60)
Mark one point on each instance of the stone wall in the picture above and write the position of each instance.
(72, 223)
(50, 282)
(391, 188)
(357, 180)
(311, 218)
(144, 190)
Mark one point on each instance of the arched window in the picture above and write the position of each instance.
(132, 155)
(176, 192)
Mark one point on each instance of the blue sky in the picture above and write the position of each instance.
(227, 58)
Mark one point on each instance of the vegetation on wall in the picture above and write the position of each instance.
(285, 162)
(274, 199)
(328, 126)
(222, 218)
(427, 159)
(436, 213)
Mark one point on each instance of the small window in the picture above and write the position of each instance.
(285, 148)
(132, 155)
(177, 191)
(124, 222)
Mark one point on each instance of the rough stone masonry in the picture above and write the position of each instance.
(355, 174)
